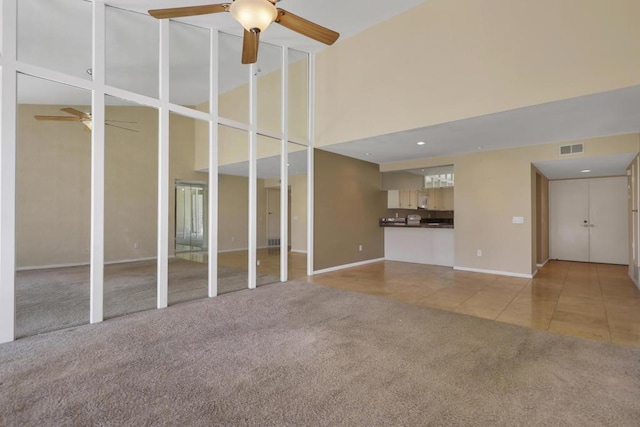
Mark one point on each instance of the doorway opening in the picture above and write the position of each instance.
(191, 228)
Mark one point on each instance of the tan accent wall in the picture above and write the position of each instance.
(53, 185)
(348, 200)
(453, 59)
(494, 186)
(233, 213)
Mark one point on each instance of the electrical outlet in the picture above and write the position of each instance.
(359, 248)
(258, 262)
(479, 252)
(233, 238)
(135, 245)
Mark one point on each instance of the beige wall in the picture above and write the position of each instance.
(494, 186)
(452, 59)
(298, 219)
(53, 189)
(234, 104)
(542, 218)
(53, 178)
(348, 200)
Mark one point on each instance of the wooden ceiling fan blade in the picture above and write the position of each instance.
(306, 28)
(250, 44)
(58, 118)
(120, 127)
(178, 12)
(77, 113)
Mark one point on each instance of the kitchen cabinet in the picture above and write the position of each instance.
(447, 198)
(439, 199)
(409, 199)
(435, 199)
(393, 199)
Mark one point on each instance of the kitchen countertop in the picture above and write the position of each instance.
(422, 225)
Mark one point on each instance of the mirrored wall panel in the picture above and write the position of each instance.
(188, 201)
(53, 205)
(233, 80)
(298, 113)
(268, 210)
(132, 53)
(269, 78)
(189, 69)
(131, 205)
(233, 209)
(56, 34)
(297, 177)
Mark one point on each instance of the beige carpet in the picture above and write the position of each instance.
(301, 354)
(57, 298)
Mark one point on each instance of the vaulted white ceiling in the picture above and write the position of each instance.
(615, 112)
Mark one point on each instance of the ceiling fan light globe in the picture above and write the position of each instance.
(252, 14)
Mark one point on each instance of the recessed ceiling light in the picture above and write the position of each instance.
(421, 143)
(585, 170)
(368, 154)
(288, 164)
(479, 147)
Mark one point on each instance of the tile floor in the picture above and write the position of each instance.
(595, 301)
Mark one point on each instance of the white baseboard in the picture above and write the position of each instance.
(84, 264)
(353, 264)
(298, 252)
(500, 273)
(543, 264)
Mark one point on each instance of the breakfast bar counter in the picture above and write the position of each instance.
(420, 244)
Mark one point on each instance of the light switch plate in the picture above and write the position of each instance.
(518, 220)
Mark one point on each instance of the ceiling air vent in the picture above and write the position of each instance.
(571, 149)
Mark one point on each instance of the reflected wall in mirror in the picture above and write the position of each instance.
(233, 209)
(233, 80)
(189, 54)
(56, 34)
(132, 54)
(270, 88)
(297, 170)
(188, 196)
(268, 212)
(131, 204)
(53, 204)
(298, 114)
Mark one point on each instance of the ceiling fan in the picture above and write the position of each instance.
(84, 118)
(255, 16)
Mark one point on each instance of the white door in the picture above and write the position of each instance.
(588, 220)
(608, 202)
(569, 220)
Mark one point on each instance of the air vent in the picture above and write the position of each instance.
(566, 150)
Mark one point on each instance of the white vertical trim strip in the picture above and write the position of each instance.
(310, 163)
(8, 91)
(163, 169)
(213, 165)
(253, 200)
(284, 170)
(96, 281)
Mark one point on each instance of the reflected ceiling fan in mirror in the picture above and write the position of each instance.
(255, 16)
(84, 118)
